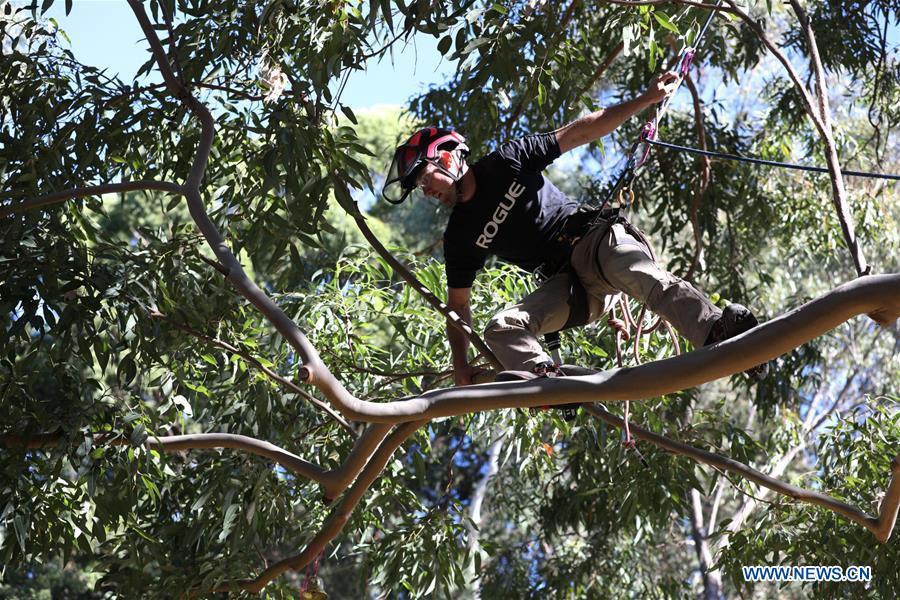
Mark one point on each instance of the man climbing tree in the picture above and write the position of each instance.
(197, 400)
(583, 256)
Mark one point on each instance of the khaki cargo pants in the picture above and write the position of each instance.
(607, 260)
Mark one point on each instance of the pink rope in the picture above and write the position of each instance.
(647, 133)
(674, 337)
(626, 313)
(629, 441)
(619, 326)
(314, 568)
(686, 61)
(640, 332)
(621, 330)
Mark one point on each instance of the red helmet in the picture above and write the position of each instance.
(421, 148)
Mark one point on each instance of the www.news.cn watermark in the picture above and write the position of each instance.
(807, 573)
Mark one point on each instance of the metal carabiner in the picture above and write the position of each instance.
(622, 196)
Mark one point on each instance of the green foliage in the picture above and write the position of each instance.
(113, 320)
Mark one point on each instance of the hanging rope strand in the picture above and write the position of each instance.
(648, 131)
(770, 163)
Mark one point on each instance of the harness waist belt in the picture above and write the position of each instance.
(577, 225)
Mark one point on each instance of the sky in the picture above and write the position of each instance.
(105, 33)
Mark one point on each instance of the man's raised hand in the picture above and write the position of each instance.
(661, 86)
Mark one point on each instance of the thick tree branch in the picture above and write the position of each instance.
(423, 291)
(881, 526)
(365, 445)
(94, 190)
(877, 296)
(338, 518)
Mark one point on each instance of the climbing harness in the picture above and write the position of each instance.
(610, 214)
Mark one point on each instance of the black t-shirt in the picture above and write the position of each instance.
(515, 214)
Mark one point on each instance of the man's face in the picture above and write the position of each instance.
(435, 183)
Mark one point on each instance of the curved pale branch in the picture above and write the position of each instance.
(878, 296)
(452, 318)
(235, 273)
(94, 190)
(339, 516)
(333, 482)
(365, 445)
(881, 526)
(177, 443)
(288, 460)
(821, 118)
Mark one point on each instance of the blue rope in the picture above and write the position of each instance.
(770, 163)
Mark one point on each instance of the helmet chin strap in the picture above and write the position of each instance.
(457, 178)
(457, 185)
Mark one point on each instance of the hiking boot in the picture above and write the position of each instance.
(547, 369)
(735, 320)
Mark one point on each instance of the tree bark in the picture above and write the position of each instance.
(712, 582)
(478, 495)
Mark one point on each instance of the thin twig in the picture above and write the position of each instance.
(703, 181)
(284, 381)
(881, 526)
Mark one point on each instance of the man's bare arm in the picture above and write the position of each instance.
(458, 301)
(603, 122)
